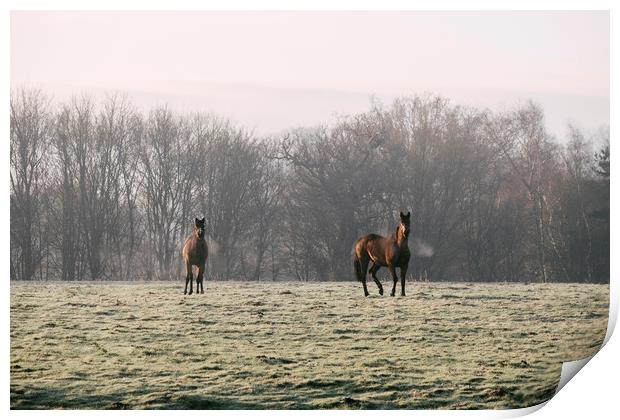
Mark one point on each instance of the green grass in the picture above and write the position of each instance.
(297, 345)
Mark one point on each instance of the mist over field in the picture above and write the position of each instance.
(100, 191)
(297, 345)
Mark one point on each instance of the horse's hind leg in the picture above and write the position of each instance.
(188, 278)
(373, 271)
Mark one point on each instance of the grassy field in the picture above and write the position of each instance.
(297, 345)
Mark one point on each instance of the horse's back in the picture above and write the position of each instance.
(360, 244)
(363, 244)
(366, 238)
(381, 250)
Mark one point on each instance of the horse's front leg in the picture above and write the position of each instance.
(201, 272)
(403, 275)
(191, 280)
(188, 278)
(364, 284)
(393, 273)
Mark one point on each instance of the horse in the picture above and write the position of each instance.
(390, 252)
(195, 252)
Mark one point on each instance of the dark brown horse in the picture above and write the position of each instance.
(195, 252)
(390, 252)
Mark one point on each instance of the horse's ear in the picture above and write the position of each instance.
(408, 214)
(203, 220)
(196, 221)
(402, 216)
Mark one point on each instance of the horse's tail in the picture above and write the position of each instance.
(357, 266)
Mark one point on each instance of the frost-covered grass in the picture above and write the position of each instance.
(297, 345)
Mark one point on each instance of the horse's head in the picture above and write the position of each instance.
(403, 227)
(199, 228)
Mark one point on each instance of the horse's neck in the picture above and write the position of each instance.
(400, 239)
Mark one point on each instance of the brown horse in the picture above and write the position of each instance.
(195, 252)
(390, 252)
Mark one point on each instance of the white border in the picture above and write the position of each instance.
(594, 392)
(309, 5)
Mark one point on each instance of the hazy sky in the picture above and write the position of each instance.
(273, 70)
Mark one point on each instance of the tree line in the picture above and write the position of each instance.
(100, 191)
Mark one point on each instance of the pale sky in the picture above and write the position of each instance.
(270, 71)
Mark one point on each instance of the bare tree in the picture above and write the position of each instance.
(521, 138)
(266, 208)
(31, 128)
(120, 130)
(231, 178)
(170, 160)
(97, 187)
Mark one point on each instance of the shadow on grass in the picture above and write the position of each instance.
(46, 398)
(50, 399)
(198, 402)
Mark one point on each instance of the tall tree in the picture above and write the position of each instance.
(170, 167)
(30, 134)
